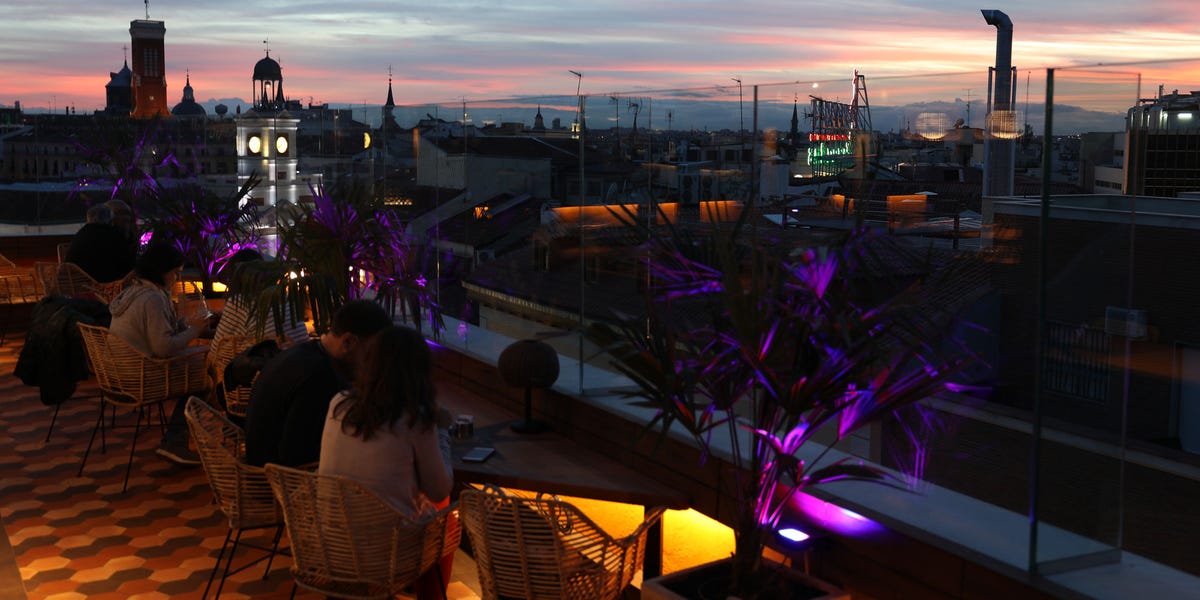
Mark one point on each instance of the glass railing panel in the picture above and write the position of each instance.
(536, 201)
(1115, 396)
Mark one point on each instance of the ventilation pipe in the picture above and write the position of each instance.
(999, 150)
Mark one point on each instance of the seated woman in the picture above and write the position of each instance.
(144, 316)
(388, 433)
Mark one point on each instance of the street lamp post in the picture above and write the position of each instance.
(741, 123)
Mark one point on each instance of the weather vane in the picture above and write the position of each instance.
(147, 10)
(268, 46)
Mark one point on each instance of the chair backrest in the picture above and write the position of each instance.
(103, 364)
(69, 279)
(126, 376)
(223, 350)
(348, 542)
(46, 273)
(241, 491)
(18, 285)
(545, 548)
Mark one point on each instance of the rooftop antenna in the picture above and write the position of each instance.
(147, 10)
(968, 108)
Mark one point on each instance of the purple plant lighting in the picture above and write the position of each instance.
(793, 535)
(835, 518)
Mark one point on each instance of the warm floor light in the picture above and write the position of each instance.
(689, 537)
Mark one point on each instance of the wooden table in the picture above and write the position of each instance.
(550, 462)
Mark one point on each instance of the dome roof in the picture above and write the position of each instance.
(122, 78)
(189, 107)
(267, 70)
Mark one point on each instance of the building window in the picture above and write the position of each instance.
(1077, 361)
(152, 62)
(541, 256)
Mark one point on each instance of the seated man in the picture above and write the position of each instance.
(100, 248)
(291, 396)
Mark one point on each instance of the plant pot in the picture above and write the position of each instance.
(710, 581)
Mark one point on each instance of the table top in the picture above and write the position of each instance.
(546, 462)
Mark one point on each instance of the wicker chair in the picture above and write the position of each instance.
(237, 399)
(348, 542)
(240, 490)
(546, 548)
(131, 379)
(69, 279)
(18, 285)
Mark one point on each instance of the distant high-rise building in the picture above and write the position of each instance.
(1163, 138)
(149, 69)
(538, 123)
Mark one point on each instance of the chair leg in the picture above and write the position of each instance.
(294, 588)
(229, 562)
(132, 448)
(53, 418)
(112, 425)
(217, 566)
(274, 549)
(91, 440)
(441, 580)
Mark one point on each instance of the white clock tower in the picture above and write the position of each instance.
(266, 145)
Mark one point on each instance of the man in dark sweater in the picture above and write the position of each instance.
(289, 399)
(100, 248)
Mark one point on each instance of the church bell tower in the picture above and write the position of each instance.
(149, 67)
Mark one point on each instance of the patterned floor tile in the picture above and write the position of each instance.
(82, 538)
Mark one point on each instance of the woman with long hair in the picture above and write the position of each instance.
(383, 431)
(388, 433)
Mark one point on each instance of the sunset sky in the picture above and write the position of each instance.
(59, 53)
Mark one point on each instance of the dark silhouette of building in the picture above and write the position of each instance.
(118, 92)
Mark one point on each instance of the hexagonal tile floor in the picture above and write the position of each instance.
(81, 537)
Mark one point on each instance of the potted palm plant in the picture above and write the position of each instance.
(340, 247)
(207, 227)
(755, 344)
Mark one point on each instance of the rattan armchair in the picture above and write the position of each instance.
(241, 491)
(18, 285)
(69, 279)
(131, 379)
(547, 548)
(223, 349)
(348, 542)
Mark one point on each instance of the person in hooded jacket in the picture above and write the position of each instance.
(143, 315)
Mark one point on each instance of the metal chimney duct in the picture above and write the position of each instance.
(998, 151)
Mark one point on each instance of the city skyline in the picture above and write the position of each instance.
(474, 51)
